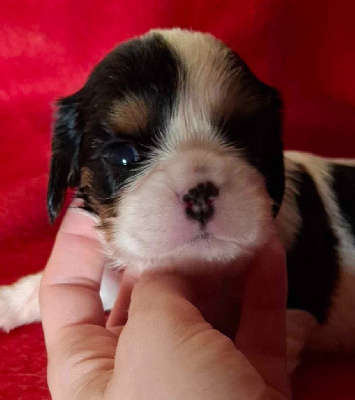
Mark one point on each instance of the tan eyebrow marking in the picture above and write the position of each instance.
(129, 115)
(86, 176)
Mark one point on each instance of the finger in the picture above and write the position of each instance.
(69, 291)
(162, 324)
(216, 298)
(167, 333)
(165, 297)
(262, 330)
(119, 312)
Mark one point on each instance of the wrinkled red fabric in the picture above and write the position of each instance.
(305, 48)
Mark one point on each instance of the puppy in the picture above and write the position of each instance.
(175, 146)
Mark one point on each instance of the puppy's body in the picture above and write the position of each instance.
(176, 147)
(321, 256)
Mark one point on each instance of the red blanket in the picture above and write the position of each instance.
(303, 47)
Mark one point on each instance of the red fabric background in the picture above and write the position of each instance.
(303, 47)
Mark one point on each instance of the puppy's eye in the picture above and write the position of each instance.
(120, 153)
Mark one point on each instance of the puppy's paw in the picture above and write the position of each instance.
(8, 316)
(19, 303)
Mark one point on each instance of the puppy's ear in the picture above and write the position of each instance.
(64, 166)
(269, 149)
(260, 134)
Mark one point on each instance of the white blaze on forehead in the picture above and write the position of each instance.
(206, 87)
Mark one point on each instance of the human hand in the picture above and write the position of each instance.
(166, 349)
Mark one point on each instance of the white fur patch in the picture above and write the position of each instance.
(19, 303)
(208, 89)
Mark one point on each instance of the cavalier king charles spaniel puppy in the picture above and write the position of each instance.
(175, 147)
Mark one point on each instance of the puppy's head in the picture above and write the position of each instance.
(176, 146)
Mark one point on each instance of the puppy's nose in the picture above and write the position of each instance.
(199, 201)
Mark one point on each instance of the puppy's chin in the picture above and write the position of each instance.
(153, 231)
(200, 255)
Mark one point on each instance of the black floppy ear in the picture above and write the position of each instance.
(270, 146)
(64, 167)
(259, 127)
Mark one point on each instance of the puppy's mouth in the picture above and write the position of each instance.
(205, 242)
(203, 236)
(209, 238)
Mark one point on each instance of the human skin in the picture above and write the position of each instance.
(157, 343)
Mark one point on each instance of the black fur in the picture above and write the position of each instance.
(344, 189)
(144, 67)
(64, 168)
(313, 268)
(256, 128)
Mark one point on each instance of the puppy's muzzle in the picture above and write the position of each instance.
(199, 202)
